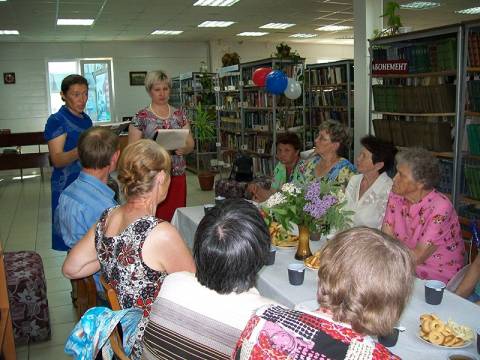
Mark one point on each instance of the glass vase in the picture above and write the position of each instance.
(303, 249)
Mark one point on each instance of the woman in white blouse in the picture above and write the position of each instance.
(367, 192)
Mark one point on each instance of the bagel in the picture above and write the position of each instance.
(436, 337)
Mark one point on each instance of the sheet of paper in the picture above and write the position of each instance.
(172, 139)
(117, 127)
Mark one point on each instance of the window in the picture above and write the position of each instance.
(100, 90)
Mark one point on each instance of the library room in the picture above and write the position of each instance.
(239, 179)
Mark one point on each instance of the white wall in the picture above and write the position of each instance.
(24, 105)
(255, 50)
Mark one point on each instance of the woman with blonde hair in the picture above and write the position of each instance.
(134, 250)
(364, 282)
(157, 116)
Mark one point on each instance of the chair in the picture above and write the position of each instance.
(457, 279)
(7, 343)
(86, 294)
(470, 250)
(115, 338)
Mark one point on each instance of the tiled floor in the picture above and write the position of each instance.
(25, 225)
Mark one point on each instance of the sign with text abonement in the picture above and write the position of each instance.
(387, 67)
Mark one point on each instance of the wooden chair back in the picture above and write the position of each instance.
(7, 341)
(86, 294)
(115, 338)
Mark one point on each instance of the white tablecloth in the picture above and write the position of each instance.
(273, 282)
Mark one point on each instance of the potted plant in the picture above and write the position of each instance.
(204, 130)
(393, 21)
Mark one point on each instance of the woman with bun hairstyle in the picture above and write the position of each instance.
(129, 244)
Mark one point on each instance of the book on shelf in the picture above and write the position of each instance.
(262, 166)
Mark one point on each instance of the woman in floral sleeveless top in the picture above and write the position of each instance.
(160, 115)
(134, 250)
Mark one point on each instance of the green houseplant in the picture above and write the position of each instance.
(205, 131)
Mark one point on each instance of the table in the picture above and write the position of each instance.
(273, 283)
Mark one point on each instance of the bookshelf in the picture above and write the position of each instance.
(264, 116)
(197, 88)
(229, 121)
(175, 93)
(329, 88)
(429, 102)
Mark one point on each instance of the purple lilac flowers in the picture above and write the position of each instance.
(317, 206)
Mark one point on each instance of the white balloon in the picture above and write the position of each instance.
(293, 90)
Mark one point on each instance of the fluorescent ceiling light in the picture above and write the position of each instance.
(252, 33)
(9, 32)
(215, 2)
(420, 5)
(82, 22)
(469, 11)
(216, 23)
(167, 32)
(334, 28)
(305, 36)
(276, 26)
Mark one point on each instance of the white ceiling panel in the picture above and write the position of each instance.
(135, 20)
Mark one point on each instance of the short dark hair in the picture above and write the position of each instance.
(382, 151)
(231, 245)
(289, 139)
(72, 80)
(96, 147)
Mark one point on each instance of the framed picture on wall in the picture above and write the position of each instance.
(137, 78)
(9, 78)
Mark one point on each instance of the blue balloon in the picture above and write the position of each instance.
(276, 82)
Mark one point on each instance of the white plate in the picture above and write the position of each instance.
(468, 343)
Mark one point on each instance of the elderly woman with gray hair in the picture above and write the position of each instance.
(423, 218)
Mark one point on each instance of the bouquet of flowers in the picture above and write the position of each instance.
(319, 206)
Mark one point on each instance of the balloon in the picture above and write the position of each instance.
(276, 82)
(260, 74)
(293, 90)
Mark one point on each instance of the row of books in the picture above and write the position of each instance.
(329, 98)
(257, 99)
(259, 143)
(474, 49)
(437, 55)
(229, 83)
(231, 124)
(262, 166)
(432, 133)
(255, 119)
(329, 75)
(230, 103)
(318, 116)
(414, 99)
(473, 88)
(289, 119)
(230, 141)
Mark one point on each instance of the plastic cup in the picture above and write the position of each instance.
(461, 355)
(207, 208)
(478, 339)
(271, 256)
(434, 292)
(296, 274)
(390, 339)
(219, 200)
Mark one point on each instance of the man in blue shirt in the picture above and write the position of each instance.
(82, 203)
(84, 200)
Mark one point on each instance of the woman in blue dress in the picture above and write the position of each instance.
(62, 131)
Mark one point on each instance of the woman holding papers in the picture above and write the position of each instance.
(149, 123)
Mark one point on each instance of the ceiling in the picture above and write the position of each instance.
(134, 20)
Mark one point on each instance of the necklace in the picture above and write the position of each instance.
(158, 115)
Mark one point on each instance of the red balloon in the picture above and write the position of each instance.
(260, 74)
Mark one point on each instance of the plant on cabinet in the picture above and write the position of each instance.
(204, 130)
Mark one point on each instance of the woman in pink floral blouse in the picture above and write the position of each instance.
(160, 115)
(423, 218)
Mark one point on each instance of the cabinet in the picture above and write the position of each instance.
(329, 95)
(197, 88)
(419, 97)
(264, 116)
